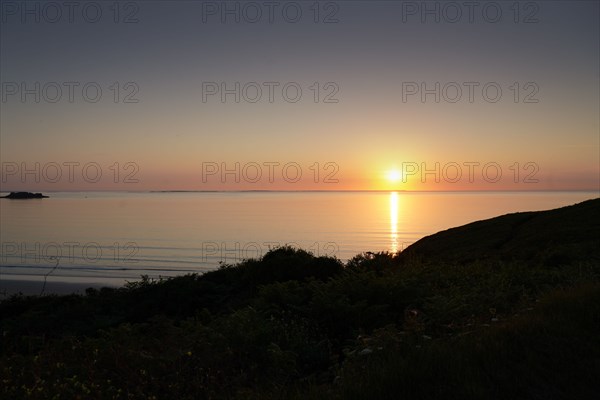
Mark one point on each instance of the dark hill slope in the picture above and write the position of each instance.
(561, 236)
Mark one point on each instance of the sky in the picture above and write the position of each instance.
(304, 95)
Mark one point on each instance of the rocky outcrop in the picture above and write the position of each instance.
(25, 195)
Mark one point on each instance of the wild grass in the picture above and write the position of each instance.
(292, 325)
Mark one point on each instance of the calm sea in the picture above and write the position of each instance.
(109, 238)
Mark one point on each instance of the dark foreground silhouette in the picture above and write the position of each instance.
(24, 195)
(505, 308)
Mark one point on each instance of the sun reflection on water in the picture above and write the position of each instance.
(394, 222)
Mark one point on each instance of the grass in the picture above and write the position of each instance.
(551, 352)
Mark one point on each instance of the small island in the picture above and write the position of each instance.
(25, 195)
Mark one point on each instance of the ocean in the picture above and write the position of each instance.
(109, 238)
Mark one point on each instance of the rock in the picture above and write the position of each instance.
(25, 195)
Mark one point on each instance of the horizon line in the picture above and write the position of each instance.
(310, 190)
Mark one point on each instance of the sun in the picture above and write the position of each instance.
(394, 175)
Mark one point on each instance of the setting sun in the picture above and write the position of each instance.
(394, 175)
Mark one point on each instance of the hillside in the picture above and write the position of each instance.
(561, 236)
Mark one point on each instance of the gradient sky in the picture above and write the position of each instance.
(375, 47)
